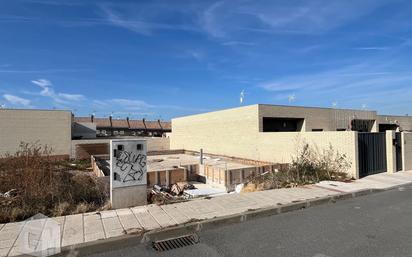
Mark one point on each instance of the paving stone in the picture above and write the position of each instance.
(176, 213)
(145, 218)
(111, 224)
(93, 227)
(129, 220)
(160, 216)
(73, 230)
(60, 220)
(9, 234)
(4, 251)
(29, 236)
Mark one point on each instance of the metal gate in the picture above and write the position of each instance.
(372, 153)
(398, 147)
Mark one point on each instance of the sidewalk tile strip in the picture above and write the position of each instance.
(145, 219)
(9, 235)
(79, 228)
(160, 216)
(128, 220)
(73, 230)
(175, 213)
(93, 227)
(111, 224)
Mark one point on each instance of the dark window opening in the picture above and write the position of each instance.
(282, 124)
(385, 127)
(341, 129)
(362, 125)
(317, 130)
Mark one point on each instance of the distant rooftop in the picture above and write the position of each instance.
(125, 123)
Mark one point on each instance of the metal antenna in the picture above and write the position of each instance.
(242, 96)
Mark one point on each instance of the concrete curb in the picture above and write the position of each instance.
(198, 226)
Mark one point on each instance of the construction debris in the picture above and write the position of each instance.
(166, 195)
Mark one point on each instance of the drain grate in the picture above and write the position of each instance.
(174, 243)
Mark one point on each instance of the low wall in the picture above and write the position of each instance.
(230, 178)
(276, 147)
(84, 148)
(407, 151)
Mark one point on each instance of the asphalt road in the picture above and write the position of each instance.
(373, 225)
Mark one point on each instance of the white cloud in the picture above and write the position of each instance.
(351, 86)
(225, 18)
(61, 98)
(42, 82)
(144, 18)
(15, 100)
(72, 97)
(238, 43)
(129, 104)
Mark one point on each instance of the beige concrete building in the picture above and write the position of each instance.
(56, 128)
(47, 127)
(253, 132)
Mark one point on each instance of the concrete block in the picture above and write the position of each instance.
(320, 201)
(125, 197)
(293, 207)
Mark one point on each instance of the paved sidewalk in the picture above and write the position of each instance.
(83, 228)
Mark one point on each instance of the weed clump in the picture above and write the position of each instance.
(32, 181)
(309, 166)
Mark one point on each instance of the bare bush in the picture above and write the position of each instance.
(309, 166)
(42, 184)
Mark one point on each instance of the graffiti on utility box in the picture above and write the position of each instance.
(128, 163)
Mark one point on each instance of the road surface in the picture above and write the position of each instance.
(374, 225)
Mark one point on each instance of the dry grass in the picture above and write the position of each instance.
(45, 185)
(309, 166)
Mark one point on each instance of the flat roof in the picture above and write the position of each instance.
(27, 109)
(316, 107)
(277, 105)
(171, 161)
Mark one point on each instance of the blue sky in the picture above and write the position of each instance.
(162, 59)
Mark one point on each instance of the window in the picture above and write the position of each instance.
(341, 129)
(139, 147)
(362, 125)
(317, 130)
(282, 124)
(385, 127)
(121, 132)
(115, 132)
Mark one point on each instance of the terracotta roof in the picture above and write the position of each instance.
(82, 119)
(152, 125)
(102, 122)
(119, 123)
(122, 123)
(166, 125)
(136, 124)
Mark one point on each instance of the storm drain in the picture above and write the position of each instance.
(174, 243)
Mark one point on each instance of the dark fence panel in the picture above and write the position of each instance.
(372, 153)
